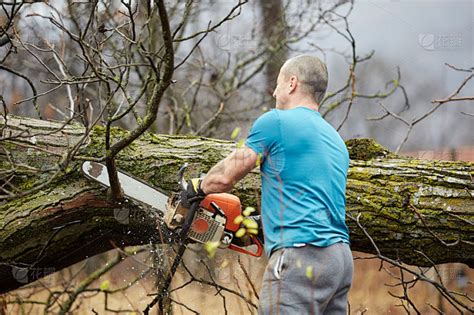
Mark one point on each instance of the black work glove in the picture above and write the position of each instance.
(193, 193)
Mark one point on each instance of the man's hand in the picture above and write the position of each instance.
(193, 193)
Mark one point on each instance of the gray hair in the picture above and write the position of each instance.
(311, 72)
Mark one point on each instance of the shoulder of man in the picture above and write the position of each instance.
(267, 118)
(265, 132)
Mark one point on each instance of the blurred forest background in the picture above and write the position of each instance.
(417, 37)
(390, 63)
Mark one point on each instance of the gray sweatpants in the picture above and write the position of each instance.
(307, 280)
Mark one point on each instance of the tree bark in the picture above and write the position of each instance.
(417, 211)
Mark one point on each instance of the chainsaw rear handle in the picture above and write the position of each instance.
(255, 241)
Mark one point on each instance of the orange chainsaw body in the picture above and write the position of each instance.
(209, 224)
(229, 204)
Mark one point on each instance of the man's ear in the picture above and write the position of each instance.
(293, 83)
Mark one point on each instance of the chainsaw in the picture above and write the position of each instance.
(212, 220)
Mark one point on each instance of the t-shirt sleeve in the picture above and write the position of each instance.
(264, 134)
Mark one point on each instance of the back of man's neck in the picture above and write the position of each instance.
(313, 106)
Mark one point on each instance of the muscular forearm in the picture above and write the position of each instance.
(223, 176)
(215, 180)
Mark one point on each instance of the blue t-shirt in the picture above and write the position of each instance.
(304, 164)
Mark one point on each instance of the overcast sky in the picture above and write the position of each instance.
(418, 36)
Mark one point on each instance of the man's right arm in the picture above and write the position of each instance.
(225, 174)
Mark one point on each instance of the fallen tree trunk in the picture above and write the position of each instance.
(416, 211)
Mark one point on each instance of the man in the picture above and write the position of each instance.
(303, 164)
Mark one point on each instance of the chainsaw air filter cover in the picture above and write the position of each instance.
(206, 227)
(230, 206)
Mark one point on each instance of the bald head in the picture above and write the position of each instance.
(311, 73)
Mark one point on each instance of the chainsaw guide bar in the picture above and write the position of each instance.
(132, 187)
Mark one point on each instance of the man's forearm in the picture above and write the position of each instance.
(223, 176)
(215, 180)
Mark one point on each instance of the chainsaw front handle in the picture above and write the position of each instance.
(181, 182)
